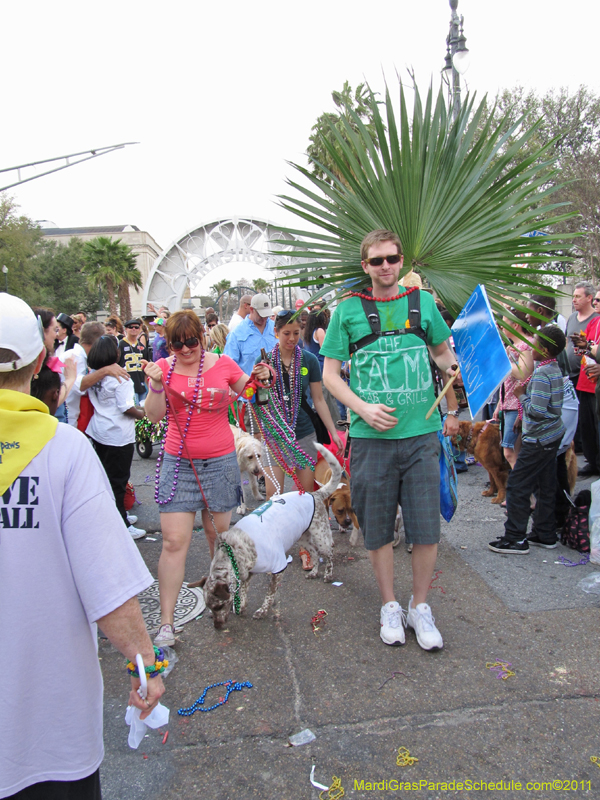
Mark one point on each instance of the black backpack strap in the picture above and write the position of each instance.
(414, 314)
(372, 315)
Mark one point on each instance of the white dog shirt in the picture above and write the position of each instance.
(276, 526)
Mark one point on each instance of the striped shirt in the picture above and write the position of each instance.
(542, 405)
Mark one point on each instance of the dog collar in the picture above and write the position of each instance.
(235, 591)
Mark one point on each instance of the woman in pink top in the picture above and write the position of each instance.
(521, 357)
(197, 386)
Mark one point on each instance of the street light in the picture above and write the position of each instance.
(457, 59)
(5, 271)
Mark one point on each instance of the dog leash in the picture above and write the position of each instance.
(187, 452)
(168, 390)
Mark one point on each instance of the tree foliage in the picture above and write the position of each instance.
(461, 195)
(62, 281)
(260, 285)
(569, 124)
(19, 242)
(110, 265)
(219, 289)
(331, 126)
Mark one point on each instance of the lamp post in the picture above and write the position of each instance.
(5, 271)
(457, 59)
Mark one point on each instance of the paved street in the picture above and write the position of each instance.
(455, 716)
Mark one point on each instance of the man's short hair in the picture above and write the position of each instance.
(90, 332)
(16, 377)
(587, 286)
(545, 306)
(245, 298)
(552, 339)
(375, 237)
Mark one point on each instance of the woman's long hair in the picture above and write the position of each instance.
(314, 321)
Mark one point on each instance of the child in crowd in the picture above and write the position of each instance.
(112, 426)
(535, 469)
(46, 387)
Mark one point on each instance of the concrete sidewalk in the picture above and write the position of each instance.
(447, 709)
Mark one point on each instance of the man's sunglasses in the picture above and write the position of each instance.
(596, 300)
(133, 327)
(190, 343)
(377, 261)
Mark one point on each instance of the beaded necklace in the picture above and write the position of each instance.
(384, 299)
(231, 687)
(281, 441)
(185, 430)
(277, 421)
(235, 590)
(287, 400)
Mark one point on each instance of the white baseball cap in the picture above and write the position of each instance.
(262, 304)
(20, 331)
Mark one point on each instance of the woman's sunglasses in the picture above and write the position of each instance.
(377, 261)
(190, 343)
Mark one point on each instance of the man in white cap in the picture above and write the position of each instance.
(60, 530)
(252, 335)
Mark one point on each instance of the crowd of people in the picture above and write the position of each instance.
(62, 376)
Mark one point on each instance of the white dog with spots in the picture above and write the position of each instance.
(260, 543)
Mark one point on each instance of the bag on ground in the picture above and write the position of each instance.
(576, 533)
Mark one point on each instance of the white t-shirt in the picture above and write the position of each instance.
(235, 321)
(66, 560)
(73, 401)
(276, 526)
(109, 425)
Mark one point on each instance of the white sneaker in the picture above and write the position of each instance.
(423, 624)
(392, 621)
(165, 636)
(131, 519)
(136, 533)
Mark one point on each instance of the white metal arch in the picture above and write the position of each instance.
(204, 248)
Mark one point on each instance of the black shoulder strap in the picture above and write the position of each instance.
(372, 314)
(414, 313)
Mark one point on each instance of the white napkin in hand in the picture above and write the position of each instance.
(137, 730)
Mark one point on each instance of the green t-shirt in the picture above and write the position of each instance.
(392, 370)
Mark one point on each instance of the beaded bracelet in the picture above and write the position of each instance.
(159, 666)
(156, 391)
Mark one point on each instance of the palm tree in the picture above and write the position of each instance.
(323, 130)
(260, 285)
(219, 289)
(108, 264)
(131, 278)
(450, 190)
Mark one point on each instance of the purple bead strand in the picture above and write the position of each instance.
(185, 430)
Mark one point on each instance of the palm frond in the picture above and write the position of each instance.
(457, 194)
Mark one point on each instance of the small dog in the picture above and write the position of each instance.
(482, 439)
(260, 541)
(340, 503)
(572, 467)
(248, 451)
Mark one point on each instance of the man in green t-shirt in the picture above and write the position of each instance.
(395, 450)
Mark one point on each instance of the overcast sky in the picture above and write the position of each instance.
(221, 95)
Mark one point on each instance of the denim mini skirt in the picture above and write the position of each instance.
(220, 479)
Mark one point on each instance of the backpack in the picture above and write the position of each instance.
(372, 315)
(576, 532)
